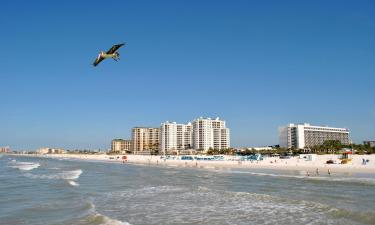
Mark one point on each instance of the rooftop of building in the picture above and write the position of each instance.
(315, 126)
(208, 118)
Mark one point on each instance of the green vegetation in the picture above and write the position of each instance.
(331, 147)
(328, 147)
(227, 151)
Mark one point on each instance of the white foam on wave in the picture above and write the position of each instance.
(65, 175)
(25, 166)
(105, 220)
(54, 168)
(153, 190)
(73, 183)
(370, 181)
(97, 218)
(71, 175)
(181, 206)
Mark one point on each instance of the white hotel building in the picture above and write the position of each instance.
(175, 136)
(201, 134)
(304, 135)
(210, 133)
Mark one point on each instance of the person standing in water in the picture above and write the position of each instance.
(329, 172)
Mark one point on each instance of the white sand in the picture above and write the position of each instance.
(294, 163)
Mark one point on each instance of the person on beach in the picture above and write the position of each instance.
(317, 171)
(329, 172)
(307, 173)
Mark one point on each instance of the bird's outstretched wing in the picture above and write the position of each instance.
(98, 60)
(114, 48)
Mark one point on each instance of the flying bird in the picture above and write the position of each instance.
(111, 53)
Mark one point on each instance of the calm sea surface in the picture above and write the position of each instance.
(51, 191)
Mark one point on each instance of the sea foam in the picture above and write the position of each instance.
(65, 175)
(25, 166)
(105, 220)
(96, 218)
(73, 183)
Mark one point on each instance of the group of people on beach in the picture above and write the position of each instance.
(365, 161)
(317, 172)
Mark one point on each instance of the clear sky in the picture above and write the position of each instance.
(256, 64)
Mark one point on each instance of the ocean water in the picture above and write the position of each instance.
(51, 191)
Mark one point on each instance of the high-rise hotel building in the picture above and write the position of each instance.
(304, 135)
(145, 139)
(210, 133)
(175, 136)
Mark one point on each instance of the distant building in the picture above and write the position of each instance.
(5, 149)
(43, 150)
(175, 137)
(145, 139)
(121, 146)
(50, 151)
(370, 143)
(262, 148)
(305, 135)
(57, 151)
(210, 133)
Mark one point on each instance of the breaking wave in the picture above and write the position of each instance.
(93, 217)
(73, 183)
(25, 166)
(104, 220)
(65, 175)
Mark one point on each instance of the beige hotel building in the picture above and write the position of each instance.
(145, 139)
(121, 146)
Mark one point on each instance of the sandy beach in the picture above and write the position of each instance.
(275, 163)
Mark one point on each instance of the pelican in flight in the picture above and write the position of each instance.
(111, 53)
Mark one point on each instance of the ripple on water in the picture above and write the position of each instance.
(360, 180)
(155, 205)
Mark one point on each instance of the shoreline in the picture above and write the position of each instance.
(272, 163)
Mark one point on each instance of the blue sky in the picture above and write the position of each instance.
(258, 65)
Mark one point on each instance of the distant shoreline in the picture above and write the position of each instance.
(274, 163)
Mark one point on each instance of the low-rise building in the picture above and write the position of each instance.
(369, 143)
(57, 151)
(121, 146)
(263, 148)
(5, 149)
(50, 151)
(43, 151)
